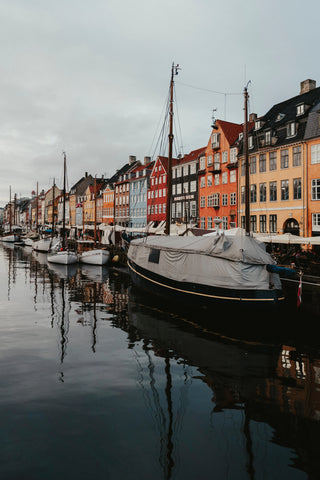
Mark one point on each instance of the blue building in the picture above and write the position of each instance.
(139, 184)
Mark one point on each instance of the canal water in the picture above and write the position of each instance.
(99, 382)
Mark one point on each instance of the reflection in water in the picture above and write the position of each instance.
(248, 405)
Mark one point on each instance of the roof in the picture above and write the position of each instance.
(192, 156)
(230, 130)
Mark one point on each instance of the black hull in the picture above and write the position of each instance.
(202, 294)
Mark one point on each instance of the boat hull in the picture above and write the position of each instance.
(95, 257)
(44, 244)
(63, 257)
(200, 293)
(10, 238)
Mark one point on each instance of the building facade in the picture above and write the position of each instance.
(139, 184)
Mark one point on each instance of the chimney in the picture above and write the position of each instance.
(147, 160)
(253, 117)
(86, 174)
(307, 85)
(132, 159)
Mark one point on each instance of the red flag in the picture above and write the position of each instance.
(299, 299)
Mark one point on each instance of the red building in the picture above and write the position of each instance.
(157, 193)
(218, 171)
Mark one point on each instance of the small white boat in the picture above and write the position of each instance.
(62, 257)
(45, 244)
(95, 257)
(10, 238)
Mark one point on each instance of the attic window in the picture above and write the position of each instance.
(280, 116)
(241, 136)
(291, 129)
(268, 137)
(300, 109)
(257, 125)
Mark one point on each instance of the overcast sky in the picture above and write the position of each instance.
(92, 77)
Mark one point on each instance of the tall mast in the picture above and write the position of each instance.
(37, 208)
(64, 200)
(174, 71)
(10, 211)
(95, 208)
(53, 197)
(246, 161)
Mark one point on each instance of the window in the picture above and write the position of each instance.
(243, 196)
(193, 186)
(217, 179)
(225, 223)
(210, 200)
(296, 157)
(215, 140)
(250, 141)
(209, 181)
(216, 199)
(185, 170)
(284, 158)
(216, 165)
(202, 163)
(233, 155)
(224, 158)
(233, 176)
(257, 124)
(253, 165)
(263, 192)
(186, 187)
(209, 222)
(273, 191)
(316, 221)
(262, 163)
(193, 209)
(315, 153)
(273, 223)
(297, 188)
(202, 202)
(233, 198)
(202, 182)
(300, 109)
(193, 168)
(178, 172)
(178, 188)
(263, 223)
(224, 177)
(253, 223)
(203, 222)
(272, 161)
(253, 193)
(284, 189)
(291, 129)
(224, 199)
(209, 160)
(315, 189)
(268, 137)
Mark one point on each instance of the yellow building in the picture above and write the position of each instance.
(278, 164)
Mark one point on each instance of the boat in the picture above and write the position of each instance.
(233, 269)
(60, 253)
(89, 251)
(45, 244)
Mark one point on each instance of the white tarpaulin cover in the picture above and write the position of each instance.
(237, 261)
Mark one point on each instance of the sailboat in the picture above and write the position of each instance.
(60, 254)
(221, 268)
(10, 237)
(89, 252)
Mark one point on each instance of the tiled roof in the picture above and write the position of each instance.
(230, 130)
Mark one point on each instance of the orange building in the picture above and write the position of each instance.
(108, 205)
(218, 177)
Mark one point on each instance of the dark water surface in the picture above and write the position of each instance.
(98, 382)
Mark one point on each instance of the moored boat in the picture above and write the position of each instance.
(62, 257)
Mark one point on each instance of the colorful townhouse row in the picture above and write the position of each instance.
(208, 184)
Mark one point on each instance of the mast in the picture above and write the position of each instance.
(246, 160)
(10, 212)
(53, 196)
(37, 208)
(174, 71)
(64, 200)
(95, 209)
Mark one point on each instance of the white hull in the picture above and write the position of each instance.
(28, 242)
(45, 244)
(95, 257)
(64, 257)
(10, 238)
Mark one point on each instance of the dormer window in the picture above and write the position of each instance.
(241, 136)
(300, 109)
(257, 125)
(268, 137)
(215, 140)
(291, 129)
(280, 116)
(250, 141)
